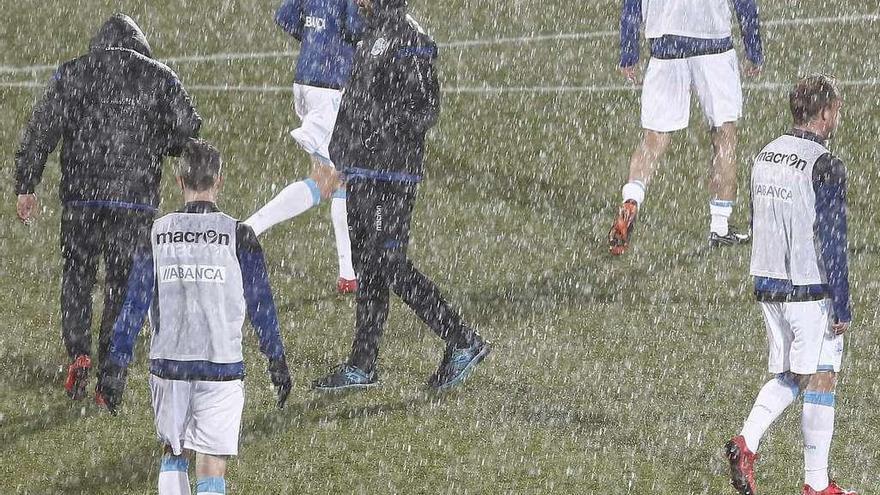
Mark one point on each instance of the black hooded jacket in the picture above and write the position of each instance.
(118, 113)
(391, 101)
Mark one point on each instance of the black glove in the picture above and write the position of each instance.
(111, 385)
(280, 376)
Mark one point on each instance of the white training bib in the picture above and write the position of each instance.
(784, 212)
(707, 19)
(199, 310)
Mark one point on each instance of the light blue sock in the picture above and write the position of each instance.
(211, 486)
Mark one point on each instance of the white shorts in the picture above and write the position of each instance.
(197, 415)
(666, 91)
(317, 109)
(800, 339)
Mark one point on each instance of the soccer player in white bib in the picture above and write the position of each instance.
(203, 273)
(327, 31)
(691, 50)
(799, 262)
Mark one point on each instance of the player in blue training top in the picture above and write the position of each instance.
(203, 273)
(328, 31)
(799, 262)
(691, 48)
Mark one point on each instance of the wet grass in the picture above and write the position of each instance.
(609, 375)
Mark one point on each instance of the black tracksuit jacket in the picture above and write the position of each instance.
(392, 99)
(118, 112)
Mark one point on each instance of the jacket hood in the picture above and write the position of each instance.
(120, 31)
(387, 11)
(380, 5)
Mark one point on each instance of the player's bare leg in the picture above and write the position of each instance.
(644, 159)
(641, 167)
(722, 183)
(722, 186)
(210, 474)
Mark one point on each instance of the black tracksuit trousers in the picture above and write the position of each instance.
(379, 215)
(88, 234)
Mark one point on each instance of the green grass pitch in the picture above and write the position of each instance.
(611, 376)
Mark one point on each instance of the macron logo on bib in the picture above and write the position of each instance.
(192, 274)
(178, 237)
(792, 160)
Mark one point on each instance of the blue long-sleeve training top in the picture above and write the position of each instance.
(829, 184)
(328, 31)
(672, 47)
(141, 299)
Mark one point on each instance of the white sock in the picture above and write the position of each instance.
(720, 211)
(211, 486)
(293, 200)
(634, 190)
(339, 215)
(173, 477)
(818, 427)
(774, 397)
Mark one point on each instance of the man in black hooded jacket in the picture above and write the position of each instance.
(393, 98)
(117, 113)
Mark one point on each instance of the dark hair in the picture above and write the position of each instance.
(811, 95)
(200, 165)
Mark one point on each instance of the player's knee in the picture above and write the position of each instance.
(793, 382)
(655, 142)
(725, 128)
(823, 381)
(724, 136)
(326, 177)
(801, 381)
(210, 466)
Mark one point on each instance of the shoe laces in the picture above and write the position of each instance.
(461, 357)
(352, 373)
(839, 491)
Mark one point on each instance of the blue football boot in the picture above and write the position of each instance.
(458, 363)
(345, 377)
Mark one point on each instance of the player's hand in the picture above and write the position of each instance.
(27, 208)
(280, 376)
(327, 178)
(753, 70)
(631, 73)
(111, 385)
(840, 327)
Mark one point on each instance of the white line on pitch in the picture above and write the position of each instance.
(822, 20)
(482, 90)
(221, 57)
(612, 88)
